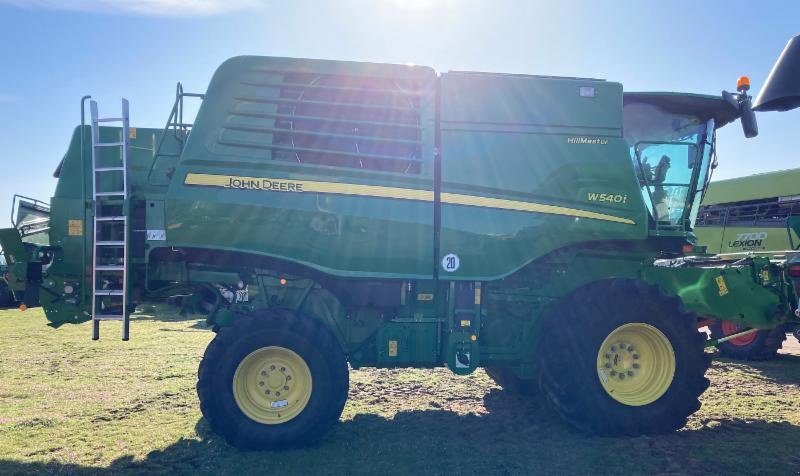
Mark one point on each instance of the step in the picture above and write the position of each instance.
(108, 317)
(109, 243)
(109, 194)
(109, 144)
(110, 267)
(110, 119)
(108, 292)
(108, 169)
(110, 218)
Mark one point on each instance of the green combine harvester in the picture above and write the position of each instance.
(754, 215)
(326, 212)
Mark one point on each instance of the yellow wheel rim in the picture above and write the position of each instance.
(636, 364)
(272, 385)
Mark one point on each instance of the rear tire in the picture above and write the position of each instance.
(761, 345)
(6, 298)
(582, 359)
(275, 352)
(508, 381)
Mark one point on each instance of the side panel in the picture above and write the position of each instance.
(530, 165)
(323, 163)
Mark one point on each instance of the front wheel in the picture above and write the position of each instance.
(272, 381)
(619, 357)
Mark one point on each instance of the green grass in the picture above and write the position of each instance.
(70, 405)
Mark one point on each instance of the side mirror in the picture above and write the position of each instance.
(748, 117)
(742, 102)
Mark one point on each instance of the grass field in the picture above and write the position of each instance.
(69, 405)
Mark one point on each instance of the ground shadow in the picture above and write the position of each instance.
(165, 312)
(784, 369)
(516, 436)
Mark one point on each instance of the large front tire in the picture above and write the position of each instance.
(619, 357)
(272, 381)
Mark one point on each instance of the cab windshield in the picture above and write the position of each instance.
(670, 153)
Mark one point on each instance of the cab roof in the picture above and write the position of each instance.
(705, 106)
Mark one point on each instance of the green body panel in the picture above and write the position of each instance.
(338, 234)
(424, 219)
(504, 138)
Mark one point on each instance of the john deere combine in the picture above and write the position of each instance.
(326, 212)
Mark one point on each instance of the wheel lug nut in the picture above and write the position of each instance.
(283, 369)
(635, 356)
(630, 373)
(263, 373)
(608, 366)
(622, 376)
(613, 348)
(630, 348)
(260, 384)
(286, 387)
(267, 392)
(635, 365)
(613, 373)
(288, 377)
(277, 394)
(272, 367)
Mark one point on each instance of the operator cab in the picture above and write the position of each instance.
(671, 141)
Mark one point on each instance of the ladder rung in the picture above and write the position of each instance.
(108, 292)
(111, 119)
(110, 243)
(108, 169)
(110, 267)
(109, 144)
(108, 317)
(114, 218)
(109, 194)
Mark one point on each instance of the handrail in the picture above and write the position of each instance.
(18, 198)
(83, 190)
(174, 122)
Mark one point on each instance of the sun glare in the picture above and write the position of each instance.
(421, 5)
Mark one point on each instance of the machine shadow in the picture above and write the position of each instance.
(784, 369)
(515, 436)
(164, 312)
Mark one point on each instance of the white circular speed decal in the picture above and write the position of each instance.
(451, 262)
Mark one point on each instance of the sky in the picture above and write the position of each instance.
(52, 52)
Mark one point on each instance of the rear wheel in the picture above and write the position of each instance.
(759, 345)
(272, 381)
(508, 380)
(619, 357)
(6, 299)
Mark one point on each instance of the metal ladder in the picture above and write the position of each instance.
(110, 223)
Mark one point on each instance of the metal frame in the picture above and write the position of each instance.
(179, 128)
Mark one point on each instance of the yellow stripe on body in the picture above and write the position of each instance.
(303, 186)
(267, 184)
(503, 204)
